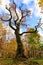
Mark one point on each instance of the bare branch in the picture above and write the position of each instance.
(17, 17)
(3, 15)
(5, 20)
(39, 25)
(13, 6)
(28, 32)
(24, 13)
(24, 24)
(14, 2)
(10, 21)
(11, 25)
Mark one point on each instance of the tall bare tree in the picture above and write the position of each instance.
(14, 15)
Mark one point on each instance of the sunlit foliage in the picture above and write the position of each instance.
(9, 48)
(33, 39)
(40, 3)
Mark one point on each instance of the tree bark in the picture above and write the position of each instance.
(20, 49)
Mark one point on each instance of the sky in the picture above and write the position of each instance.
(29, 4)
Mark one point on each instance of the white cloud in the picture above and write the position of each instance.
(27, 1)
(36, 8)
(37, 11)
(40, 32)
(4, 2)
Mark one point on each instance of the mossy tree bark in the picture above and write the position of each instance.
(19, 44)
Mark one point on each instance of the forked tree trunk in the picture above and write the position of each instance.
(20, 49)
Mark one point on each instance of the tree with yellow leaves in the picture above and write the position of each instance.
(10, 48)
(41, 6)
(40, 3)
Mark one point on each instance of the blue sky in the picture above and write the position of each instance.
(29, 4)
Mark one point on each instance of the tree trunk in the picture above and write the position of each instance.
(20, 45)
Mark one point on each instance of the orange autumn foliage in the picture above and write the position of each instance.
(9, 48)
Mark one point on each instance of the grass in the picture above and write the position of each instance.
(38, 60)
(19, 61)
(6, 61)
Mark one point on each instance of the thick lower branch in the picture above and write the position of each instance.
(28, 32)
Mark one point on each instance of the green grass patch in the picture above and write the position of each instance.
(10, 61)
(6, 61)
(39, 61)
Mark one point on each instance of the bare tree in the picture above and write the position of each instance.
(17, 22)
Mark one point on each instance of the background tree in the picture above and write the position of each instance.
(9, 49)
(2, 37)
(33, 42)
(19, 19)
(2, 33)
(33, 38)
(40, 3)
